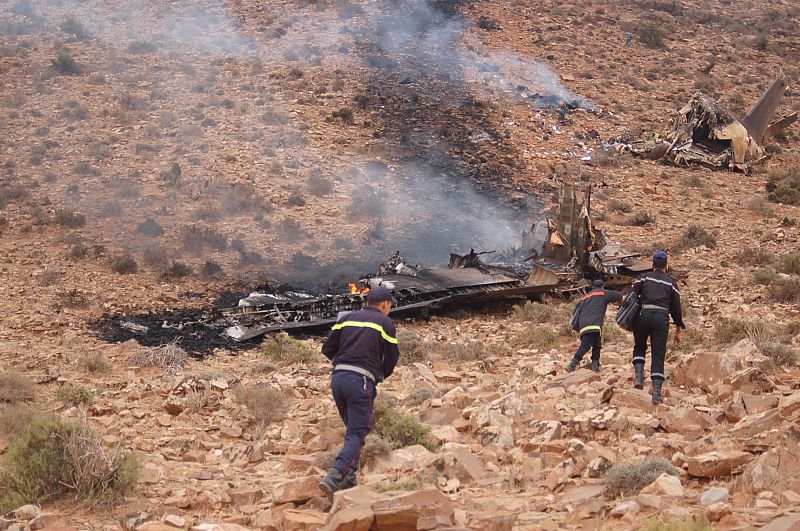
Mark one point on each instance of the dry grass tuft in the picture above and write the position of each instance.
(400, 429)
(409, 485)
(629, 478)
(94, 363)
(170, 357)
(265, 403)
(75, 395)
(14, 387)
(283, 349)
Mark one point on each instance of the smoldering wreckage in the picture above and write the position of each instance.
(559, 255)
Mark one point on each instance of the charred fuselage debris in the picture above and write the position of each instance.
(707, 134)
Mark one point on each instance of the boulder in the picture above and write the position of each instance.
(714, 495)
(297, 520)
(717, 463)
(752, 380)
(707, 370)
(665, 485)
(358, 518)
(786, 523)
(607, 418)
(759, 403)
(296, 490)
(569, 379)
(683, 420)
(755, 424)
(408, 459)
(777, 470)
(717, 511)
(428, 502)
(629, 508)
(632, 398)
(459, 462)
(789, 404)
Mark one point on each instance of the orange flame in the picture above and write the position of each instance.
(355, 290)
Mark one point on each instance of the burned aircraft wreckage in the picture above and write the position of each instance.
(557, 255)
(710, 135)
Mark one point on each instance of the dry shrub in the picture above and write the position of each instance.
(629, 478)
(536, 312)
(400, 429)
(123, 263)
(790, 264)
(374, 446)
(754, 256)
(538, 337)
(49, 276)
(779, 356)
(325, 460)
(175, 270)
(730, 330)
(154, 256)
(265, 403)
(169, 357)
(14, 387)
(75, 395)
(420, 396)
(640, 219)
(283, 349)
(472, 351)
(66, 217)
(695, 236)
(760, 206)
(197, 399)
(616, 205)
(414, 351)
(393, 486)
(318, 185)
(689, 523)
(14, 418)
(785, 290)
(783, 186)
(94, 363)
(765, 277)
(196, 238)
(51, 458)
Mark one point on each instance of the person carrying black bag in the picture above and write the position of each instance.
(659, 297)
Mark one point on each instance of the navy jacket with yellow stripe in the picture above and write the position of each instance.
(592, 309)
(366, 339)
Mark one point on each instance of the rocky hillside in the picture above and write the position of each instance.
(162, 156)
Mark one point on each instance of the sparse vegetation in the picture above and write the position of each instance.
(690, 523)
(14, 387)
(176, 270)
(754, 256)
(283, 349)
(142, 47)
(66, 217)
(696, 236)
(155, 257)
(414, 351)
(123, 263)
(49, 276)
(65, 64)
(70, 26)
(94, 363)
(73, 299)
(539, 337)
(399, 429)
(51, 458)
(195, 238)
(14, 418)
(150, 227)
(408, 484)
(616, 205)
(210, 268)
(729, 330)
(265, 403)
(318, 185)
(779, 356)
(243, 198)
(169, 357)
(74, 395)
(536, 312)
(650, 34)
(785, 290)
(760, 206)
(367, 204)
(783, 186)
(629, 478)
(640, 219)
(765, 277)
(467, 351)
(790, 264)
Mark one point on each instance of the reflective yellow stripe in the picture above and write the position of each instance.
(587, 328)
(365, 324)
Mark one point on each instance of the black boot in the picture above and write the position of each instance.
(573, 364)
(596, 365)
(349, 481)
(331, 483)
(639, 367)
(657, 391)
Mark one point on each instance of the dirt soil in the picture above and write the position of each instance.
(194, 151)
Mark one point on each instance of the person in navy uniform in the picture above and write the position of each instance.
(363, 348)
(592, 314)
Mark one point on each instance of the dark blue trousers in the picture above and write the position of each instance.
(652, 325)
(354, 395)
(589, 340)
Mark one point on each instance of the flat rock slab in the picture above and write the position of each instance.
(567, 380)
(715, 463)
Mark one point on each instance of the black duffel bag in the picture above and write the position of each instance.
(628, 311)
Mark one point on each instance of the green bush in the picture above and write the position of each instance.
(790, 263)
(629, 478)
(14, 419)
(75, 395)
(400, 429)
(281, 348)
(51, 458)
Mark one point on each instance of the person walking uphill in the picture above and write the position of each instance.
(364, 351)
(591, 310)
(659, 298)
